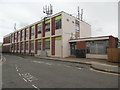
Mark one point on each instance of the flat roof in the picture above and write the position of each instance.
(91, 38)
(42, 20)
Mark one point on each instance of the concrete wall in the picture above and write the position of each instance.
(68, 28)
(58, 48)
(85, 30)
(97, 56)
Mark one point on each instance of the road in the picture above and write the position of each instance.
(30, 72)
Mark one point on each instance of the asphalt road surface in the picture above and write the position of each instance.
(30, 72)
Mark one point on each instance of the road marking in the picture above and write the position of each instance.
(104, 72)
(68, 66)
(19, 74)
(35, 87)
(48, 63)
(4, 60)
(30, 80)
(25, 80)
(79, 68)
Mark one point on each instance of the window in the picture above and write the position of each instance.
(97, 47)
(22, 46)
(18, 35)
(58, 22)
(32, 45)
(39, 44)
(67, 19)
(47, 43)
(39, 28)
(22, 33)
(27, 33)
(47, 27)
(32, 30)
(26, 45)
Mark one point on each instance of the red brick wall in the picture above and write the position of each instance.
(43, 44)
(81, 45)
(25, 34)
(25, 47)
(30, 47)
(29, 32)
(36, 31)
(36, 46)
(43, 29)
(20, 46)
(53, 46)
(112, 42)
(53, 26)
(21, 35)
(6, 48)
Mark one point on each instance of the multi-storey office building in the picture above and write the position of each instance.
(49, 37)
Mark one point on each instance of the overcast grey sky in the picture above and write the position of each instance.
(101, 14)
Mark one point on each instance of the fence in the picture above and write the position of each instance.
(113, 54)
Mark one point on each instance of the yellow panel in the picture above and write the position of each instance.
(58, 17)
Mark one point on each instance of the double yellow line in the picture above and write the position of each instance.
(104, 72)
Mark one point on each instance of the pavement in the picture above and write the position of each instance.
(96, 64)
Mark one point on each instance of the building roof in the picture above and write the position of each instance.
(91, 38)
(42, 20)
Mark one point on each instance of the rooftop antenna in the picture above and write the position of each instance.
(15, 26)
(81, 14)
(48, 10)
(78, 13)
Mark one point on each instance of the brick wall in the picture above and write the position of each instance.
(81, 45)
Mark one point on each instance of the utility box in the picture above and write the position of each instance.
(113, 54)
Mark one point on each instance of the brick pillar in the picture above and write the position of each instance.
(29, 32)
(81, 45)
(21, 35)
(24, 46)
(20, 46)
(36, 46)
(43, 29)
(112, 42)
(14, 37)
(25, 34)
(43, 44)
(29, 47)
(17, 37)
(53, 26)
(36, 31)
(53, 46)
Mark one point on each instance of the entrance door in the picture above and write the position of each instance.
(73, 49)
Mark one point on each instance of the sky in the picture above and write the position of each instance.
(100, 14)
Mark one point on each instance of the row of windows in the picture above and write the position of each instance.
(47, 44)
(58, 25)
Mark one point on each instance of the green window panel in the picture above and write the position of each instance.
(39, 24)
(58, 17)
(32, 41)
(39, 40)
(47, 39)
(47, 21)
(32, 26)
(27, 42)
(58, 38)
